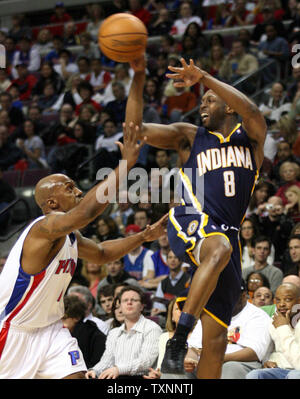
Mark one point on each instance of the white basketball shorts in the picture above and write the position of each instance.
(43, 353)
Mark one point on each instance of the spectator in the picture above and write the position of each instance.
(289, 173)
(90, 48)
(116, 274)
(248, 339)
(33, 147)
(284, 330)
(162, 23)
(84, 67)
(238, 63)
(97, 17)
(292, 208)
(70, 95)
(152, 94)
(117, 318)
(249, 231)
(284, 153)
(26, 55)
(48, 74)
(190, 50)
(105, 299)
(194, 31)
(185, 18)
(93, 273)
(19, 28)
(262, 296)
(179, 103)
(276, 105)
(133, 347)
(99, 78)
(262, 20)
(5, 81)
(171, 286)
(106, 228)
(65, 67)
(239, 15)
(15, 115)
(121, 75)
(123, 211)
(117, 107)
(10, 50)
(261, 253)
(255, 280)
(70, 38)
(292, 266)
(137, 9)
(85, 91)
(215, 60)
(275, 224)
(53, 55)
(137, 262)
(91, 341)
(294, 86)
(59, 129)
(85, 295)
(47, 99)
(43, 41)
(25, 82)
(60, 15)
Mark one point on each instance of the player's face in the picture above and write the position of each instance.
(212, 110)
(68, 195)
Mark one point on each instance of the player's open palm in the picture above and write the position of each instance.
(130, 148)
(185, 76)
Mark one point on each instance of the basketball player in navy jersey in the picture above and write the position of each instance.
(217, 181)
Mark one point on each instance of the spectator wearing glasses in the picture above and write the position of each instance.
(132, 348)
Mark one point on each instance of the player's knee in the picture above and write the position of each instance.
(220, 256)
(217, 345)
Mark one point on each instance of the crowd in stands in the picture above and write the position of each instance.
(59, 95)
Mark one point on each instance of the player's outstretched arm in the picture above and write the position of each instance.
(111, 250)
(253, 121)
(158, 135)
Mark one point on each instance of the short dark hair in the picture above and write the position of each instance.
(294, 237)
(135, 289)
(266, 282)
(107, 290)
(260, 239)
(74, 307)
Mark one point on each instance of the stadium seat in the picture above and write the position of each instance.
(32, 176)
(12, 177)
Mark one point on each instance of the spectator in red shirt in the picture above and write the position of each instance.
(25, 82)
(140, 12)
(60, 16)
(239, 15)
(85, 90)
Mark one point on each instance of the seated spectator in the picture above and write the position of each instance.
(275, 224)
(47, 99)
(137, 262)
(136, 8)
(123, 210)
(249, 231)
(116, 274)
(85, 91)
(255, 280)
(261, 252)
(85, 295)
(121, 75)
(91, 341)
(60, 15)
(171, 286)
(89, 116)
(238, 63)
(194, 31)
(97, 17)
(185, 18)
(239, 15)
(105, 299)
(132, 348)
(5, 81)
(262, 296)
(284, 153)
(59, 130)
(14, 91)
(106, 229)
(262, 19)
(53, 55)
(65, 67)
(276, 105)
(117, 317)
(15, 115)
(248, 340)
(48, 74)
(70, 95)
(292, 208)
(70, 38)
(84, 67)
(33, 147)
(284, 330)
(152, 94)
(25, 55)
(19, 27)
(159, 69)
(93, 273)
(289, 173)
(99, 78)
(178, 104)
(294, 86)
(90, 49)
(292, 265)
(214, 60)
(43, 41)
(288, 131)
(10, 50)
(117, 107)
(162, 24)
(189, 49)
(84, 133)
(174, 311)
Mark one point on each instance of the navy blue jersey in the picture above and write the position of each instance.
(219, 176)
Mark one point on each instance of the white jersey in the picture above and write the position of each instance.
(35, 301)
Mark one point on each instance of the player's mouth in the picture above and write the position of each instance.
(204, 116)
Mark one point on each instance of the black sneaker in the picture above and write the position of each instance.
(174, 357)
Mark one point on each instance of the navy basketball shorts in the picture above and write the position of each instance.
(186, 229)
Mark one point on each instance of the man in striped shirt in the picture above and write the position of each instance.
(133, 347)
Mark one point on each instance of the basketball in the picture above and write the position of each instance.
(122, 37)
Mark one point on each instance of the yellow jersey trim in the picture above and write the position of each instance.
(221, 137)
(215, 318)
(189, 188)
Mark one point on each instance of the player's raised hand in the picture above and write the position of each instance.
(139, 65)
(154, 231)
(185, 76)
(130, 148)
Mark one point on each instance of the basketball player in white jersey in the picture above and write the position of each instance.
(33, 342)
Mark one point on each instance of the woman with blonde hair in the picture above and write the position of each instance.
(292, 208)
(289, 173)
(93, 273)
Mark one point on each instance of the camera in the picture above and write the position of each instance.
(269, 206)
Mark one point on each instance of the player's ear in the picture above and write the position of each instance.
(52, 203)
(228, 110)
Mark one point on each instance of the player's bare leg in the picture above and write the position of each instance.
(215, 255)
(79, 375)
(214, 341)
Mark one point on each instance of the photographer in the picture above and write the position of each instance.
(275, 224)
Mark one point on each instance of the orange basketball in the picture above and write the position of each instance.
(122, 37)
